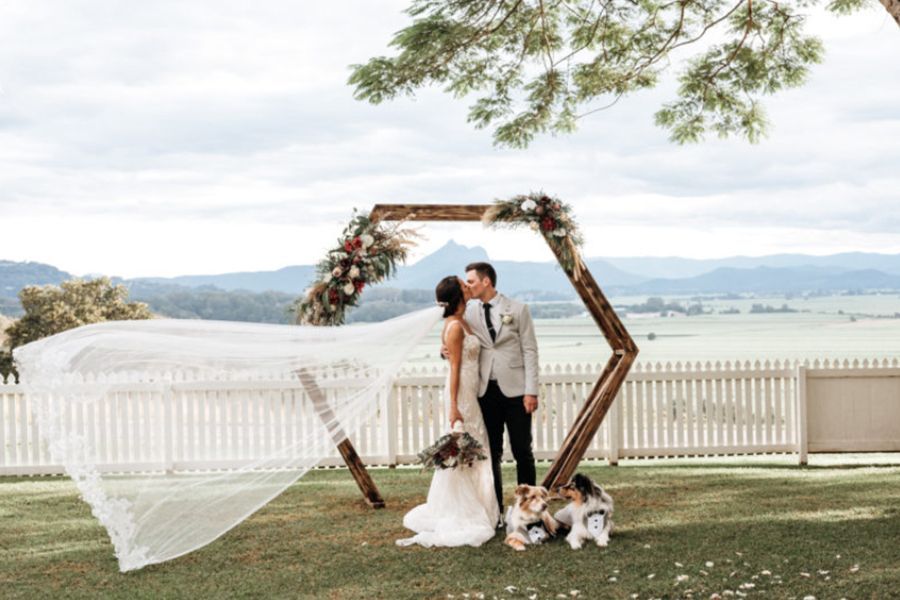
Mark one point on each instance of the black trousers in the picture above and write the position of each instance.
(498, 410)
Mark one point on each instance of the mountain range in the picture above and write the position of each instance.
(782, 273)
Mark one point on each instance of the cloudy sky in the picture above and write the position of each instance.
(171, 137)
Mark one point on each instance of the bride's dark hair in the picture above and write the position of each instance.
(449, 294)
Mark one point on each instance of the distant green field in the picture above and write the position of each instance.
(822, 332)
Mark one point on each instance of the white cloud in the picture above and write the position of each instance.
(171, 137)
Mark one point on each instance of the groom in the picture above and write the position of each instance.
(508, 371)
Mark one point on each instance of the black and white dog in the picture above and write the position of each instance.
(589, 514)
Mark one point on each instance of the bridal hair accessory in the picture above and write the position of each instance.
(367, 253)
(444, 304)
(547, 215)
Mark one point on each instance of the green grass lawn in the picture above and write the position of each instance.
(683, 530)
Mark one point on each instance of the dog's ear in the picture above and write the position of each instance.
(585, 485)
(522, 489)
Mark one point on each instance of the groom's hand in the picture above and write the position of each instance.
(531, 404)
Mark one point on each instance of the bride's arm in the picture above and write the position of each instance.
(454, 347)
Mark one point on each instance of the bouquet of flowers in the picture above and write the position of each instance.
(452, 450)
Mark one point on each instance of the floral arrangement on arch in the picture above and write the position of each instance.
(549, 216)
(368, 252)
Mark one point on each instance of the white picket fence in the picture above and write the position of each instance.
(661, 411)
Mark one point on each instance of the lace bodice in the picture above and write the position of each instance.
(467, 395)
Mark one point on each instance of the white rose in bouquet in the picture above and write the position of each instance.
(528, 205)
(367, 240)
(349, 288)
(354, 272)
(336, 272)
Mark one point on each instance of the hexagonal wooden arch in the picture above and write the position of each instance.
(598, 401)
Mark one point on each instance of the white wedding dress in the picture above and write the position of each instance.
(461, 509)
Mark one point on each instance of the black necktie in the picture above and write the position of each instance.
(487, 319)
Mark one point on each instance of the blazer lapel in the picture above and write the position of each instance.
(497, 314)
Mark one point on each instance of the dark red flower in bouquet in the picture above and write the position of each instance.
(357, 243)
(360, 285)
(548, 223)
(545, 199)
(333, 296)
(348, 246)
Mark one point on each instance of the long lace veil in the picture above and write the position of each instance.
(175, 431)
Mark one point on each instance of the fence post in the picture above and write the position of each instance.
(802, 440)
(391, 425)
(615, 431)
(169, 429)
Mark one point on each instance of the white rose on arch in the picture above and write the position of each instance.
(349, 288)
(561, 232)
(354, 272)
(367, 240)
(528, 205)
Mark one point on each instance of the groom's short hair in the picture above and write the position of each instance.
(484, 270)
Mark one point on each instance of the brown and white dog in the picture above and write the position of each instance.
(589, 514)
(527, 520)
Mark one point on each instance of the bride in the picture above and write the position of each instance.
(461, 508)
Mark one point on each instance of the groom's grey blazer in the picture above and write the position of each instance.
(512, 359)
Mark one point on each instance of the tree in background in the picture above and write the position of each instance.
(50, 309)
(542, 65)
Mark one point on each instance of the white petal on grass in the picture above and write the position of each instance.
(854, 568)
(710, 564)
(805, 574)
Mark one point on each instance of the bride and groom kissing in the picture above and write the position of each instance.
(492, 385)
